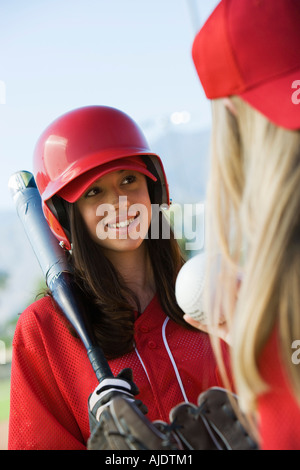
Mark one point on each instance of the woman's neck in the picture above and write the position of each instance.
(136, 270)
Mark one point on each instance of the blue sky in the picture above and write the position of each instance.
(59, 55)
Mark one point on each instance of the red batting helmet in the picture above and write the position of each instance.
(82, 140)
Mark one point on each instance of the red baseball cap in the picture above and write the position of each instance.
(251, 48)
(74, 190)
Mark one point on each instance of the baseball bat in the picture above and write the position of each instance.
(55, 267)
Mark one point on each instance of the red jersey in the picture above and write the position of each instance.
(52, 378)
(278, 410)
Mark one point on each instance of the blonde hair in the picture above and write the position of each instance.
(253, 209)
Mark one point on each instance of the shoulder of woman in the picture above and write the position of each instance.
(37, 320)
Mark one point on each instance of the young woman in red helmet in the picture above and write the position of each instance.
(98, 182)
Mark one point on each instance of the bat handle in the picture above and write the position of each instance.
(101, 368)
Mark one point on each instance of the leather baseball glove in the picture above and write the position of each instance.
(215, 424)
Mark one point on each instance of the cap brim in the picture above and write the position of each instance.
(75, 189)
(278, 100)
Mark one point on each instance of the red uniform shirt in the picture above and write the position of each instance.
(278, 410)
(52, 378)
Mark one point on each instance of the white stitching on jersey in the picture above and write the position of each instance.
(141, 361)
(172, 360)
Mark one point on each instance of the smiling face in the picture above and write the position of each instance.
(116, 209)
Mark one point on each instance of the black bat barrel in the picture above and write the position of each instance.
(55, 266)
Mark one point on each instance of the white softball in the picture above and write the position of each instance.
(189, 288)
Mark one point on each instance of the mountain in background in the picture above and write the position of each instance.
(185, 158)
